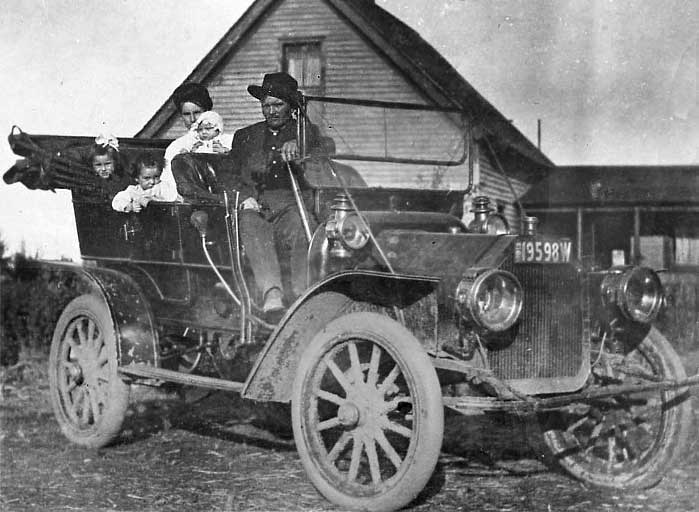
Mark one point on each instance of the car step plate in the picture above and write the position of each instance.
(150, 372)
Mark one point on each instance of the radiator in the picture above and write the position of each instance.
(548, 349)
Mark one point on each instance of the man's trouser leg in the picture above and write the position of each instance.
(257, 236)
(290, 233)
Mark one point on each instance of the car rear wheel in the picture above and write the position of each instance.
(627, 441)
(367, 413)
(88, 397)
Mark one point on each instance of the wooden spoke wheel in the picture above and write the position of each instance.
(627, 441)
(367, 413)
(88, 397)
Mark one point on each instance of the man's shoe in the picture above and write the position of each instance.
(273, 301)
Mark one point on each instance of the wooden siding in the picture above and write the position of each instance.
(494, 185)
(353, 68)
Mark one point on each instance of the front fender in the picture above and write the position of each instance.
(273, 374)
(132, 318)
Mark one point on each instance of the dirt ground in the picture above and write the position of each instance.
(209, 453)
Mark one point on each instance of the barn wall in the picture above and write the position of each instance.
(353, 68)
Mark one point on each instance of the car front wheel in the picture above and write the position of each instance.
(625, 441)
(367, 413)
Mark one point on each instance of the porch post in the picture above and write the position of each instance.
(579, 232)
(636, 235)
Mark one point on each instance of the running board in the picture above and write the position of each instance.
(151, 372)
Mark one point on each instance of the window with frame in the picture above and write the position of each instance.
(303, 61)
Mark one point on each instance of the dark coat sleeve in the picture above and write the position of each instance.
(237, 174)
(249, 163)
(191, 182)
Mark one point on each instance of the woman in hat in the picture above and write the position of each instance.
(191, 99)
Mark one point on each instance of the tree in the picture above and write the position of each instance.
(32, 297)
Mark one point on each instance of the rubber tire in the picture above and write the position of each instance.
(405, 349)
(108, 426)
(674, 437)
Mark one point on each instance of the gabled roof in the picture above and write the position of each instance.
(616, 185)
(411, 54)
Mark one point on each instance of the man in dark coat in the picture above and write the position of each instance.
(264, 154)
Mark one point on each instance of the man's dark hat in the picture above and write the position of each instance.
(192, 92)
(280, 85)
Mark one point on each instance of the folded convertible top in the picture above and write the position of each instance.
(59, 161)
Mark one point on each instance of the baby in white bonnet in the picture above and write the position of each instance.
(207, 129)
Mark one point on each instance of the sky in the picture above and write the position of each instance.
(614, 82)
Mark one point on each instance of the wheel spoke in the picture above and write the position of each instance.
(393, 404)
(76, 403)
(577, 424)
(373, 461)
(596, 431)
(99, 343)
(338, 374)
(85, 407)
(611, 444)
(357, 446)
(390, 379)
(397, 428)
(339, 446)
(73, 403)
(94, 403)
(328, 424)
(624, 447)
(80, 327)
(330, 397)
(355, 365)
(70, 339)
(91, 333)
(388, 449)
(101, 353)
(373, 376)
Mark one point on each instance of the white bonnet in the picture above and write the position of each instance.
(209, 117)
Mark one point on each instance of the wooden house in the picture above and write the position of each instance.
(355, 49)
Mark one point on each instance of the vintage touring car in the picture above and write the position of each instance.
(407, 311)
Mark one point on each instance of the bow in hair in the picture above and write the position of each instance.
(107, 140)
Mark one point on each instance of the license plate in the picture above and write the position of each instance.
(538, 250)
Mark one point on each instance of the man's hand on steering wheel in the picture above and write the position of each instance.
(250, 204)
(290, 151)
